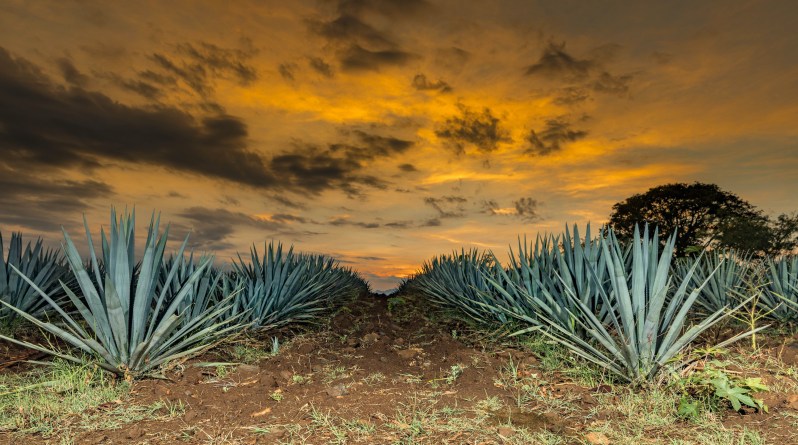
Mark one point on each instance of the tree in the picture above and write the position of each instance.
(704, 214)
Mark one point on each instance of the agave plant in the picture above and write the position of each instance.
(283, 287)
(646, 327)
(726, 273)
(206, 290)
(539, 278)
(780, 296)
(45, 267)
(129, 326)
(458, 281)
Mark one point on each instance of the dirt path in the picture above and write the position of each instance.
(381, 373)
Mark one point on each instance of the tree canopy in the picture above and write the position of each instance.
(704, 214)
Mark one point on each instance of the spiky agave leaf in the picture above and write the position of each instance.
(283, 287)
(646, 327)
(45, 267)
(780, 297)
(726, 273)
(458, 281)
(125, 322)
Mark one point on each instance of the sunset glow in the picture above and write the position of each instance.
(386, 132)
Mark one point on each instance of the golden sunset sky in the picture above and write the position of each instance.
(386, 132)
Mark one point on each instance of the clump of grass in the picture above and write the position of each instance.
(42, 401)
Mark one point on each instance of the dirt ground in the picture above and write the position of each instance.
(390, 371)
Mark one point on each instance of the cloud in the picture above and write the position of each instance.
(200, 65)
(40, 203)
(49, 126)
(321, 67)
(348, 222)
(408, 168)
(286, 70)
(527, 208)
(421, 83)
(609, 84)
(349, 29)
(287, 218)
(433, 222)
(211, 228)
(359, 45)
(557, 133)
(451, 206)
(452, 58)
(357, 58)
(71, 74)
(315, 168)
(571, 96)
(388, 8)
(555, 63)
(482, 130)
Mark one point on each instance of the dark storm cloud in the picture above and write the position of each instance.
(200, 64)
(47, 125)
(71, 74)
(321, 67)
(359, 45)
(357, 58)
(448, 206)
(482, 130)
(421, 83)
(41, 203)
(408, 168)
(527, 208)
(210, 228)
(555, 63)
(286, 70)
(315, 168)
(551, 139)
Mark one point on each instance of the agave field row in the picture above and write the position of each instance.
(628, 307)
(132, 315)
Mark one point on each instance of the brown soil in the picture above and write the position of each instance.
(377, 370)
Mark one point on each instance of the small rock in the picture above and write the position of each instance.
(589, 399)
(317, 368)
(134, 432)
(278, 433)
(409, 353)
(188, 393)
(286, 374)
(371, 337)
(337, 390)
(792, 401)
(399, 341)
(594, 438)
(505, 431)
(248, 368)
(353, 342)
(384, 359)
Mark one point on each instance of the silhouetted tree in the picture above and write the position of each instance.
(704, 214)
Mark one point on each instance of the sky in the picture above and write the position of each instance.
(386, 132)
